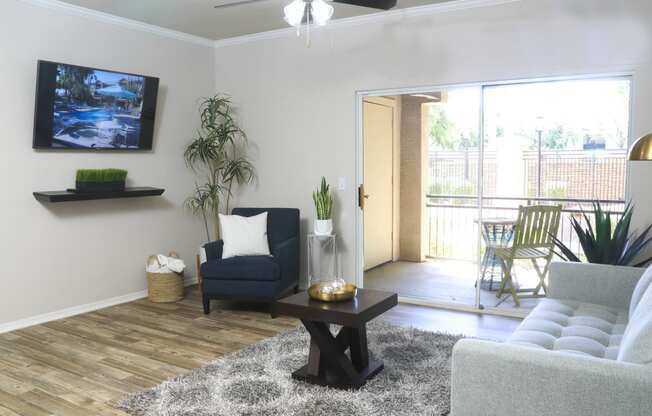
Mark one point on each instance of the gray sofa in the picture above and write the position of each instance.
(584, 351)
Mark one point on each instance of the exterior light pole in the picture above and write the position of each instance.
(539, 129)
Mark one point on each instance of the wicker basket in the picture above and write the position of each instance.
(164, 287)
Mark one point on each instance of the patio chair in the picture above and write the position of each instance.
(533, 232)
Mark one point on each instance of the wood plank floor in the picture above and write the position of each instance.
(84, 364)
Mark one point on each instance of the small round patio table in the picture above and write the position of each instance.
(496, 233)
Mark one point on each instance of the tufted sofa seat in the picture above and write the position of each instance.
(584, 351)
(573, 327)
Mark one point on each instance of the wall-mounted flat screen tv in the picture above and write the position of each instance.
(95, 109)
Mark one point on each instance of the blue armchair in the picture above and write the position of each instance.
(255, 278)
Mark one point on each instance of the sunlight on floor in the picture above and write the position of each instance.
(448, 281)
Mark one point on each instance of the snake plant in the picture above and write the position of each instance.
(607, 244)
(323, 199)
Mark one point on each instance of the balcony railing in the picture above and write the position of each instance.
(453, 225)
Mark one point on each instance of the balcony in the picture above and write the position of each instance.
(453, 226)
(450, 272)
(572, 178)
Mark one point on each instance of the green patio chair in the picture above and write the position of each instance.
(532, 241)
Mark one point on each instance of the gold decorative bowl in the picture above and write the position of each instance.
(346, 292)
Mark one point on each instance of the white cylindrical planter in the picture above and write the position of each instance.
(323, 227)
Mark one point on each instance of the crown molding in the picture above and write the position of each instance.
(119, 21)
(379, 17)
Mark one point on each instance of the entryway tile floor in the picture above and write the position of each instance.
(447, 281)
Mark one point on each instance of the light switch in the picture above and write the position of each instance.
(341, 183)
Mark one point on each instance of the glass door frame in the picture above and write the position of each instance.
(359, 221)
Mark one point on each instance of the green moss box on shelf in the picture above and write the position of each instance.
(100, 180)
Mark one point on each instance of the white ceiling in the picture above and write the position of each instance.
(200, 18)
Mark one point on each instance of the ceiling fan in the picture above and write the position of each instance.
(319, 12)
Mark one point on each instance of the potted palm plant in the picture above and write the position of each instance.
(610, 242)
(217, 156)
(323, 199)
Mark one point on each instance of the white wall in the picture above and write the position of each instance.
(298, 104)
(56, 256)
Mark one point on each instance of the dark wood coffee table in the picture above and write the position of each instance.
(328, 364)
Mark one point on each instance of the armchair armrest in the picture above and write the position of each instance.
(287, 256)
(214, 250)
(493, 379)
(593, 283)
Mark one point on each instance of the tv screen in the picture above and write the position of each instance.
(87, 108)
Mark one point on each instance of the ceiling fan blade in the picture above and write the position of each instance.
(373, 4)
(237, 3)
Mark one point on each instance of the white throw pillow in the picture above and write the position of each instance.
(244, 236)
(640, 289)
(636, 345)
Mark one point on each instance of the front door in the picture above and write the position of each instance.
(378, 127)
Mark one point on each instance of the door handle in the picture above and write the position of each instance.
(361, 196)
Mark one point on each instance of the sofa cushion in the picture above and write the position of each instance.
(636, 345)
(261, 268)
(573, 327)
(642, 285)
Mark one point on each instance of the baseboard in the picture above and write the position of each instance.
(80, 309)
(189, 281)
(459, 307)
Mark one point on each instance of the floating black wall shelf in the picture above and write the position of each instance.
(67, 196)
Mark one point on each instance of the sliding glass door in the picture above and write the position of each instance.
(466, 158)
(552, 143)
(453, 130)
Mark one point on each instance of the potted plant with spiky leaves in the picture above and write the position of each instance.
(217, 155)
(607, 240)
(323, 199)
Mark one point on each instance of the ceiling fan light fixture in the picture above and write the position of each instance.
(321, 12)
(310, 12)
(294, 12)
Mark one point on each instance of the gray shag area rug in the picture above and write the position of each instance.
(256, 381)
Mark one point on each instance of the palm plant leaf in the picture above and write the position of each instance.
(602, 234)
(608, 242)
(201, 151)
(643, 263)
(635, 246)
(623, 237)
(239, 170)
(585, 238)
(213, 109)
(565, 252)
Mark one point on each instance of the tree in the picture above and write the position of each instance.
(557, 138)
(467, 142)
(445, 136)
(441, 129)
(73, 81)
(217, 154)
